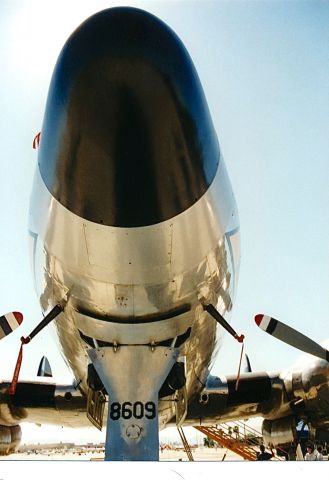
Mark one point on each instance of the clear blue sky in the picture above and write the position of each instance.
(264, 67)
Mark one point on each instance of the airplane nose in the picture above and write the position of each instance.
(127, 139)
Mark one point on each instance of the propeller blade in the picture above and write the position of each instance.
(9, 323)
(292, 337)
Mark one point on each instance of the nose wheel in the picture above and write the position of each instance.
(132, 376)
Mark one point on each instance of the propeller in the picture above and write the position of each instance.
(9, 322)
(292, 337)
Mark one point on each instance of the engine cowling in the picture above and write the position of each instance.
(10, 439)
(279, 432)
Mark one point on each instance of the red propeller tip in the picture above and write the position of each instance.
(18, 316)
(259, 318)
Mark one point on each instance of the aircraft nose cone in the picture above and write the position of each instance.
(127, 138)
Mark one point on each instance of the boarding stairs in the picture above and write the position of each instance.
(185, 443)
(237, 437)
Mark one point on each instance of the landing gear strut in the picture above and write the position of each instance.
(132, 376)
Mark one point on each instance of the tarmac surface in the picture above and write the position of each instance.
(199, 454)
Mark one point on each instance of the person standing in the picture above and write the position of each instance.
(310, 454)
(319, 454)
(262, 456)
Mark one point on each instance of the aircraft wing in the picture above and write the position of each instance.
(222, 400)
(43, 401)
(284, 399)
(40, 401)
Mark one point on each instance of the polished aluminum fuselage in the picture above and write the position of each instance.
(137, 286)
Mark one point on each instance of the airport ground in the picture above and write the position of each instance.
(199, 454)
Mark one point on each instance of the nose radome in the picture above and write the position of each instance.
(127, 138)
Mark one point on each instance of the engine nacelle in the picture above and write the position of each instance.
(279, 432)
(10, 439)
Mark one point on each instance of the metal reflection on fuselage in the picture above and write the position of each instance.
(114, 273)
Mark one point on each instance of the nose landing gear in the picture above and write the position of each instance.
(132, 376)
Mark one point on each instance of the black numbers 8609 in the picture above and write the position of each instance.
(127, 410)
